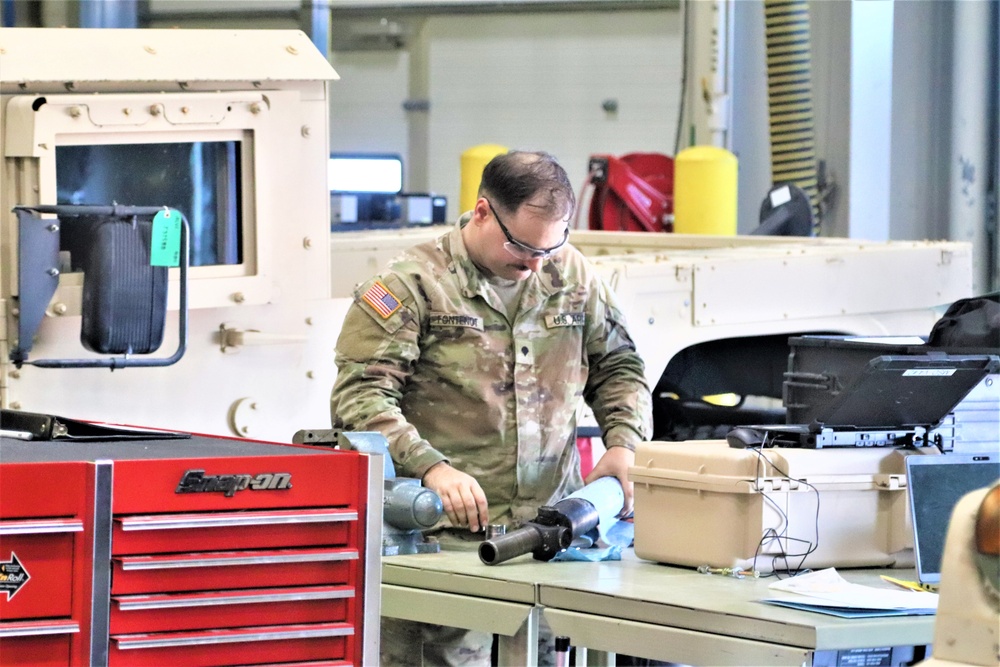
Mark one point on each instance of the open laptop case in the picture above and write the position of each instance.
(935, 484)
(897, 401)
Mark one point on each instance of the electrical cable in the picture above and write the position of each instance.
(772, 534)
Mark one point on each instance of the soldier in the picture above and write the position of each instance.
(471, 354)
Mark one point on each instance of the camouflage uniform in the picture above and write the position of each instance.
(428, 357)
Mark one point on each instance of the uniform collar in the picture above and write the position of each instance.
(549, 280)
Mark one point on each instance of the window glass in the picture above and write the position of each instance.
(200, 179)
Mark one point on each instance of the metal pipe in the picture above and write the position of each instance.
(969, 158)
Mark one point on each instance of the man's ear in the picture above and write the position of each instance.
(481, 211)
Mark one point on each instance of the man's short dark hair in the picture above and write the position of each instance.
(525, 177)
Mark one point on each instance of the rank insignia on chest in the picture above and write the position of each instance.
(381, 299)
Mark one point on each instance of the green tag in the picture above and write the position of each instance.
(165, 249)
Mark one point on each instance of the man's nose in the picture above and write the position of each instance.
(534, 264)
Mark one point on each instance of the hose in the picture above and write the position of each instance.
(789, 92)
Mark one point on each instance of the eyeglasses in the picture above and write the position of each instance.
(523, 250)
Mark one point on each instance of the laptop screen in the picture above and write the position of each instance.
(907, 391)
(936, 484)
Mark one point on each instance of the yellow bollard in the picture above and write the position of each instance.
(474, 160)
(705, 191)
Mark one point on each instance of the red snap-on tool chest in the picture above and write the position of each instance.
(193, 551)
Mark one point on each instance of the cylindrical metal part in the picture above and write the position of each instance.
(495, 530)
(562, 651)
(579, 515)
(412, 506)
(515, 543)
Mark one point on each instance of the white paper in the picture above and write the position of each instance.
(827, 587)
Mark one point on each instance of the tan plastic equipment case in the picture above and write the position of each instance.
(706, 503)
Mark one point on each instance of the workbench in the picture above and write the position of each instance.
(635, 607)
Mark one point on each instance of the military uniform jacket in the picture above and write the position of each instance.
(428, 357)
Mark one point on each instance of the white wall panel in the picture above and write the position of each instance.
(538, 81)
(366, 105)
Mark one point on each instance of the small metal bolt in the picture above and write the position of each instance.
(74, 112)
(59, 308)
(53, 228)
(305, 131)
(291, 49)
(185, 110)
(989, 382)
(149, 49)
(310, 375)
(127, 111)
(253, 406)
(652, 320)
(307, 243)
(255, 108)
(309, 321)
(15, 374)
(244, 429)
(238, 297)
(53, 272)
(154, 110)
(16, 405)
(15, 311)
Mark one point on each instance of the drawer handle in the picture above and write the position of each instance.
(36, 628)
(40, 526)
(143, 602)
(175, 521)
(164, 563)
(165, 640)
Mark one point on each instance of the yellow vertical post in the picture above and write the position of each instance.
(705, 191)
(473, 161)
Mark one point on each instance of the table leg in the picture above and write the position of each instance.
(521, 648)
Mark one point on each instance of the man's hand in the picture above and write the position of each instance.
(615, 463)
(462, 497)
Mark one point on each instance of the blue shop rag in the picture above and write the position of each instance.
(592, 554)
(603, 543)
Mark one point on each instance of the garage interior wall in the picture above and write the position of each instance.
(535, 81)
(542, 80)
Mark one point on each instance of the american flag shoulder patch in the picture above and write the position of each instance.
(381, 299)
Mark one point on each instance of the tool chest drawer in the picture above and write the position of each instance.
(36, 643)
(166, 612)
(243, 646)
(36, 556)
(233, 570)
(215, 531)
(212, 484)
